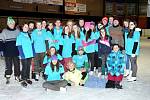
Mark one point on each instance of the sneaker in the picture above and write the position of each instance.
(63, 89)
(132, 79)
(17, 78)
(24, 84)
(29, 81)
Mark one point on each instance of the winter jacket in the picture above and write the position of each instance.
(116, 63)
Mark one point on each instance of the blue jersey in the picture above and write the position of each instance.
(67, 42)
(39, 37)
(129, 43)
(53, 75)
(25, 42)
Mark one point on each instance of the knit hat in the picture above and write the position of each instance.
(92, 23)
(54, 57)
(10, 20)
(80, 48)
(105, 18)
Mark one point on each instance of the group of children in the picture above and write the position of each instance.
(67, 55)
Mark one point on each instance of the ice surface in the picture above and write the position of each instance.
(138, 90)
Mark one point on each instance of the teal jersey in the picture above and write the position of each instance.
(90, 48)
(129, 43)
(80, 60)
(67, 42)
(53, 75)
(25, 42)
(39, 37)
(51, 39)
(96, 36)
(57, 37)
(78, 41)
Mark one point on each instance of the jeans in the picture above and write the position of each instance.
(133, 61)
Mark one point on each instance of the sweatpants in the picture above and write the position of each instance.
(25, 73)
(9, 62)
(38, 63)
(55, 85)
(91, 60)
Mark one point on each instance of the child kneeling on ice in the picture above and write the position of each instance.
(54, 71)
(74, 76)
(115, 64)
(81, 60)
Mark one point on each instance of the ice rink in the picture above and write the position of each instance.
(139, 90)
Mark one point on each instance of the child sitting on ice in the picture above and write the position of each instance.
(54, 71)
(74, 76)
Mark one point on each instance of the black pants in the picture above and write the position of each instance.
(91, 60)
(83, 75)
(25, 73)
(97, 60)
(10, 61)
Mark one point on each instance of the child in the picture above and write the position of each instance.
(67, 46)
(74, 76)
(78, 35)
(132, 48)
(89, 47)
(103, 49)
(81, 60)
(24, 43)
(50, 35)
(47, 59)
(54, 71)
(57, 33)
(52, 51)
(39, 40)
(11, 53)
(115, 65)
